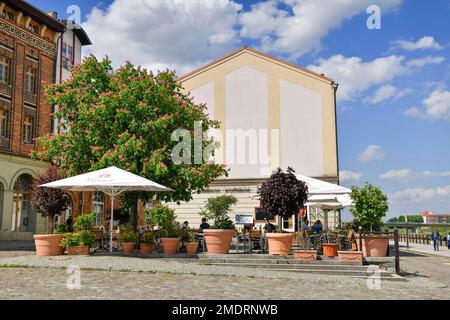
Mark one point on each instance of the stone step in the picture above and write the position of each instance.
(290, 266)
(359, 272)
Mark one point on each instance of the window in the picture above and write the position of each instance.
(4, 69)
(8, 14)
(98, 206)
(30, 80)
(3, 123)
(28, 130)
(33, 27)
(67, 59)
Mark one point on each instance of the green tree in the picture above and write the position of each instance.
(218, 210)
(126, 118)
(370, 205)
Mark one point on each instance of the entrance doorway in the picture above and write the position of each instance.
(23, 217)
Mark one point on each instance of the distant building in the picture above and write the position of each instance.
(432, 217)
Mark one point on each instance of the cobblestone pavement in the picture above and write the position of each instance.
(428, 278)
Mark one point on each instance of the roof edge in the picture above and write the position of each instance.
(255, 52)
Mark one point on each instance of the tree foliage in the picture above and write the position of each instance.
(283, 194)
(125, 118)
(411, 218)
(370, 205)
(48, 202)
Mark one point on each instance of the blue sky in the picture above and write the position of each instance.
(394, 94)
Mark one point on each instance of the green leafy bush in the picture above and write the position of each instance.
(70, 240)
(87, 238)
(165, 218)
(218, 210)
(148, 237)
(127, 236)
(84, 222)
(61, 229)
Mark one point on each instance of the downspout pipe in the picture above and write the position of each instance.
(335, 86)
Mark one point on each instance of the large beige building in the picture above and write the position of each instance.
(273, 114)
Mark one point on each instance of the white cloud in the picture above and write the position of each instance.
(296, 27)
(436, 106)
(372, 152)
(405, 175)
(355, 76)
(420, 62)
(426, 42)
(345, 176)
(422, 194)
(163, 33)
(387, 92)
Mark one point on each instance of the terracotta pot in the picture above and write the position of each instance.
(78, 251)
(146, 248)
(218, 241)
(191, 248)
(374, 245)
(354, 256)
(170, 245)
(279, 243)
(305, 255)
(128, 247)
(330, 249)
(48, 244)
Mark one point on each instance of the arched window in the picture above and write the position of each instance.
(98, 206)
(23, 218)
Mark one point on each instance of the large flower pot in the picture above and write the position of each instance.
(218, 241)
(48, 244)
(146, 248)
(170, 245)
(374, 245)
(353, 256)
(330, 249)
(128, 247)
(191, 248)
(305, 255)
(279, 243)
(82, 250)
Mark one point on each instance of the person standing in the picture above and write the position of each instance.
(448, 240)
(435, 237)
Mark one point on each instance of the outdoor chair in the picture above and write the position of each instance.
(255, 241)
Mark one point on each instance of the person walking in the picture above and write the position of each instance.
(435, 237)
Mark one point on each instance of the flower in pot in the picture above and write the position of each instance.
(218, 238)
(48, 202)
(127, 240)
(370, 206)
(146, 245)
(191, 243)
(169, 230)
(282, 195)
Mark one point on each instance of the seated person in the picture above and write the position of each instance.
(317, 227)
(185, 225)
(268, 227)
(306, 226)
(204, 225)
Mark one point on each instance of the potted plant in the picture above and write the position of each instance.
(48, 203)
(78, 243)
(169, 231)
(146, 245)
(191, 243)
(370, 205)
(127, 240)
(282, 195)
(218, 238)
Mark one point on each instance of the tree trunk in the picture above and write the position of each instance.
(51, 220)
